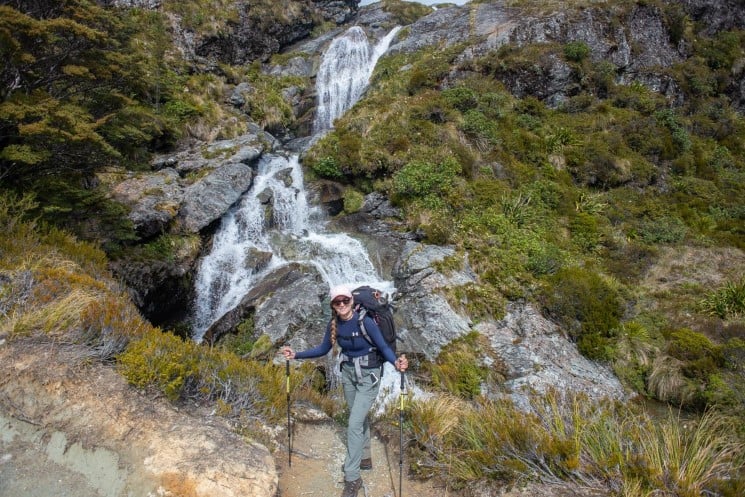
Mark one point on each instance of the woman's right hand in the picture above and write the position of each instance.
(288, 353)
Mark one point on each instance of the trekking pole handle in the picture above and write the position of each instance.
(403, 392)
(287, 374)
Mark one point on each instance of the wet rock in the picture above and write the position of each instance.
(286, 302)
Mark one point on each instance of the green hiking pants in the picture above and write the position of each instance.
(359, 393)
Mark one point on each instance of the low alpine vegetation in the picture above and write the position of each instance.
(567, 438)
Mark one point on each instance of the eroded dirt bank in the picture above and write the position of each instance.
(71, 426)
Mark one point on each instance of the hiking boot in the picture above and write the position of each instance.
(352, 488)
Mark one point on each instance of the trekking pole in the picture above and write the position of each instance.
(401, 442)
(289, 427)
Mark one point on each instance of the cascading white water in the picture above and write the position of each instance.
(225, 274)
(344, 74)
(295, 232)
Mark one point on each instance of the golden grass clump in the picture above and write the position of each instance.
(54, 286)
(184, 369)
(569, 438)
(667, 382)
(689, 457)
(434, 419)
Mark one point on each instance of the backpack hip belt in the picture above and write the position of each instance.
(362, 362)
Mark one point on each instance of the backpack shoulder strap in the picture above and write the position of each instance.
(361, 325)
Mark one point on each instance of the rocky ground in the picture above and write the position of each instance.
(318, 454)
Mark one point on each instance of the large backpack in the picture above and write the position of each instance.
(376, 304)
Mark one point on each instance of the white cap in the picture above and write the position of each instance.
(340, 290)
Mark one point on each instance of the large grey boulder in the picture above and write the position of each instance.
(153, 199)
(539, 358)
(190, 189)
(427, 321)
(209, 198)
(287, 302)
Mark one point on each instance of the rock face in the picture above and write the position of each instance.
(192, 188)
(286, 303)
(85, 418)
(635, 40)
(259, 30)
(539, 358)
(429, 322)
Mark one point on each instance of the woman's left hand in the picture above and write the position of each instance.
(402, 363)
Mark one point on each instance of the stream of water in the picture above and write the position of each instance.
(273, 224)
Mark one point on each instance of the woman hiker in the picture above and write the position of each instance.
(361, 369)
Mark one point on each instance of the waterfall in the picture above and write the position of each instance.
(273, 224)
(344, 74)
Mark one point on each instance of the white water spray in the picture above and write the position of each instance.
(345, 73)
(273, 224)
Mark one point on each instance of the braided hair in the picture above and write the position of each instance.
(332, 325)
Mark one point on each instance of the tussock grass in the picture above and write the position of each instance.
(687, 458)
(666, 380)
(55, 318)
(187, 370)
(568, 438)
(432, 421)
(727, 301)
(55, 287)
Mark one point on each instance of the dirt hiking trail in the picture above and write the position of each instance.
(317, 457)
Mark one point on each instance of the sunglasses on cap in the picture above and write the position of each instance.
(341, 301)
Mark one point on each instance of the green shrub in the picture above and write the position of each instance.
(638, 97)
(479, 127)
(725, 302)
(435, 223)
(576, 51)
(161, 360)
(459, 369)
(586, 232)
(544, 259)
(689, 345)
(680, 136)
(663, 230)
(587, 306)
(734, 354)
(461, 98)
(722, 50)
(423, 179)
(700, 364)
(353, 201)
(183, 369)
(326, 167)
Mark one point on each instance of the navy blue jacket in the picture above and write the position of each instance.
(350, 339)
